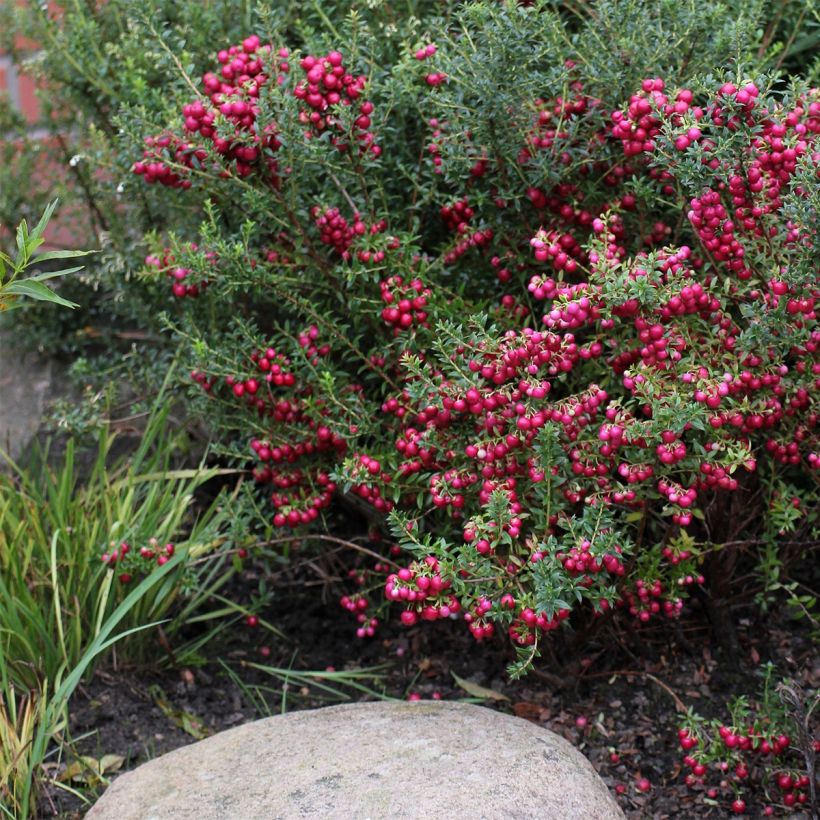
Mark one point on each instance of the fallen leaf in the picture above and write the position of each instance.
(89, 770)
(111, 763)
(74, 771)
(190, 724)
(527, 710)
(477, 691)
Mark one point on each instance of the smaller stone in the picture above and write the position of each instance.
(25, 386)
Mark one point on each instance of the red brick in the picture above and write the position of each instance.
(21, 42)
(29, 104)
(4, 80)
(24, 43)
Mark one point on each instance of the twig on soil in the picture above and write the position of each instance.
(333, 540)
(680, 706)
(554, 680)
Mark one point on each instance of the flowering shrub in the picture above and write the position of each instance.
(765, 751)
(555, 328)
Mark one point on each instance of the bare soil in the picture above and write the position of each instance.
(629, 686)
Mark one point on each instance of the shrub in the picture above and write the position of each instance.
(557, 324)
(451, 273)
(25, 193)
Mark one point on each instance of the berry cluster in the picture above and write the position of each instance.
(222, 126)
(167, 160)
(638, 126)
(327, 86)
(233, 98)
(458, 215)
(336, 231)
(129, 563)
(297, 497)
(406, 303)
(370, 481)
(185, 282)
(421, 588)
(474, 239)
(426, 51)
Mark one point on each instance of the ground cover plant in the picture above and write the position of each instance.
(531, 288)
(746, 746)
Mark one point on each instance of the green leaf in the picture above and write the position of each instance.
(42, 277)
(22, 241)
(68, 254)
(34, 290)
(44, 220)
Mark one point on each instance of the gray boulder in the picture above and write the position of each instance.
(368, 760)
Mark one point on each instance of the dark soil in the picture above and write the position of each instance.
(629, 687)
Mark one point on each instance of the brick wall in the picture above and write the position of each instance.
(20, 87)
(69, 227)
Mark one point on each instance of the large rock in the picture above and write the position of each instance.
(368, 760)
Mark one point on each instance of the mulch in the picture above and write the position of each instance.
(622, 697)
